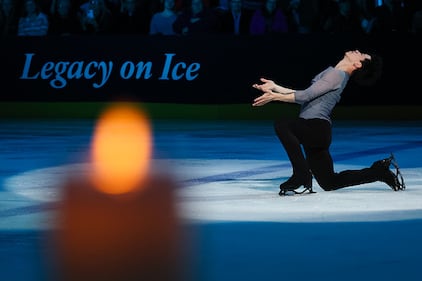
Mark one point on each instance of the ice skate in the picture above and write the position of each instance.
(393, 178)
(293, 184)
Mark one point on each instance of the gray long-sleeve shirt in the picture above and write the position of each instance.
(319, 99)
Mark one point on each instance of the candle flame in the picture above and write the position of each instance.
(121, 149)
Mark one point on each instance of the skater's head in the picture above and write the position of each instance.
(370, 71)
(365, 69)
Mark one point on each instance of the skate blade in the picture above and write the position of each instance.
(400, 180)
(299, 191)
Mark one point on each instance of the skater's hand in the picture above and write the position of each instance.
(266, 86)
(265, 98)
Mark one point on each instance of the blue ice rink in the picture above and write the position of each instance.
(229, 172)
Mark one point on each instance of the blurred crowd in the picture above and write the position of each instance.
(185, 17)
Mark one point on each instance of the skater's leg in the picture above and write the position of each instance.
(290, 133)
(322, 168)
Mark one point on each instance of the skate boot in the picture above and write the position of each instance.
(393, 179)
(294, 182)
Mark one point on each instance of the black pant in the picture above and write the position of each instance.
(314, 136)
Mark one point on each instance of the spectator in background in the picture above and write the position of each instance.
(196, 19)
(9, 17)
(162, 22)
(129, 18)
(269, 19)
(63, 18)
(33, 21)
(390, 17)
(95, 17)
(365, 11)
(236, 20)
(344, 18)
(302, 15)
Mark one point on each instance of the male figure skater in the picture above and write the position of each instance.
(312, 130)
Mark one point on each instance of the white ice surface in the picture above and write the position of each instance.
(232, 190)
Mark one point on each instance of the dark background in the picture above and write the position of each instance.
(229, 66)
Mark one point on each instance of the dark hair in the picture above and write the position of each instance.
(370, 71)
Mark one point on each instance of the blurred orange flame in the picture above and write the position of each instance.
(121, 149)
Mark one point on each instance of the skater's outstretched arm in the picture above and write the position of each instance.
(272, 92)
